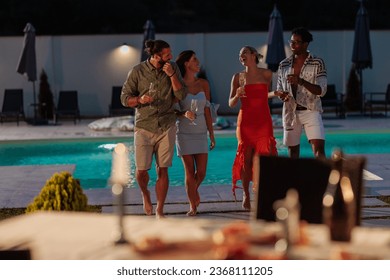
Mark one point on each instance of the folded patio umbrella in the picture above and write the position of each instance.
(361, 56)
(149, 34)
(275, 50)
(27, 62)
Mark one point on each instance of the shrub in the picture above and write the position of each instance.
(61, 193)
(45, 97)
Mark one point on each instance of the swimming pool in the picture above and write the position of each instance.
(92, 157)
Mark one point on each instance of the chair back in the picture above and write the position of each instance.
(116, 97)
(68, 101)
(13, 101)
(309, 176)
(388, 94)
(116, 107)
(330, 93)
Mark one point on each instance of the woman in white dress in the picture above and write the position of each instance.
(193, 124)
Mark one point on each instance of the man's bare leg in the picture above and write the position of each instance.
(142, 177)
(318, 147)
(293, 151)
(161, 190)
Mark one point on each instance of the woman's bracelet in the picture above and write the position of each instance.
(172, 74)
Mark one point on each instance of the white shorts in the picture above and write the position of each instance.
(311, 121)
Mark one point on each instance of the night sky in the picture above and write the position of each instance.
(77, 17)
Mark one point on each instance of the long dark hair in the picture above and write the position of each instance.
(155, 46)
(182, 58)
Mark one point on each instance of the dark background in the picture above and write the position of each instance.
(77, 17)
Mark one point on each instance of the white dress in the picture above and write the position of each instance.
(192, 139)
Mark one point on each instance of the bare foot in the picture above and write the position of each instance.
(148, 207)
(159, 211)
(197, 201)
(160, 216)
(246, 202)
(191, 213)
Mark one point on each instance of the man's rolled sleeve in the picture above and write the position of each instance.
(128, 89)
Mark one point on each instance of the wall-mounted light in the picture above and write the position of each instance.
(124, 49)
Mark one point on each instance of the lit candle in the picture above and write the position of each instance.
(120, 171)
(120, 176)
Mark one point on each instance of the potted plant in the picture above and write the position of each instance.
(61, 193)
(45, 98)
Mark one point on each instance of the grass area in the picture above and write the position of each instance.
(6, 213)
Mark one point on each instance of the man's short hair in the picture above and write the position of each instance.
(304, 33)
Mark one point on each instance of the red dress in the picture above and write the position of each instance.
(254, 127)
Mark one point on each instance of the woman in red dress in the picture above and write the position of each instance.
(254, 123)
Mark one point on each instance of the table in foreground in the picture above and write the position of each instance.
(76, 236)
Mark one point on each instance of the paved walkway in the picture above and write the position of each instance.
(19, 184)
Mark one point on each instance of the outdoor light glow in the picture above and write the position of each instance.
(124, 49)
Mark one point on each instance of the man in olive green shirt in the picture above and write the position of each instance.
(152, 87)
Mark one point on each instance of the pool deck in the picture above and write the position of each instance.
(20, 184)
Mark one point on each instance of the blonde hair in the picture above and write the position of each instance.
(259, 56)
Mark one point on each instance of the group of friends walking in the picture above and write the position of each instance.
(173, 109)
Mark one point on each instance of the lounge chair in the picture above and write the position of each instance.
(333, 100)
(68, 105)
(377, 100)
(116, 108)
(12, 105)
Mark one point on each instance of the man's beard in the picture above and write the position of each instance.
(162, 62)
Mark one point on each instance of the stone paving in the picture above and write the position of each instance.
(19, 184)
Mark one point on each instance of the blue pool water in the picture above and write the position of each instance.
(92, 157)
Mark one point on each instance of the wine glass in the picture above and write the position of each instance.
(152, 92)
(242, 81)
(194, 109)
(291, 74)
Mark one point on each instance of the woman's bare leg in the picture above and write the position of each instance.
(190, 183)
(246, 177)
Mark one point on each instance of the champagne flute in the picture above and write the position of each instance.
(194, 109)
(291, 74)
(242, 81)
(152, 92)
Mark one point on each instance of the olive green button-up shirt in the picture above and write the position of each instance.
(160, 114)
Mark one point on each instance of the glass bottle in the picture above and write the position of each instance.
(339, 202)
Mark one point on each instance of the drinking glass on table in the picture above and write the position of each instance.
(242, 81)
(194, 109)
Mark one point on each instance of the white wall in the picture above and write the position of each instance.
(93, 64)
